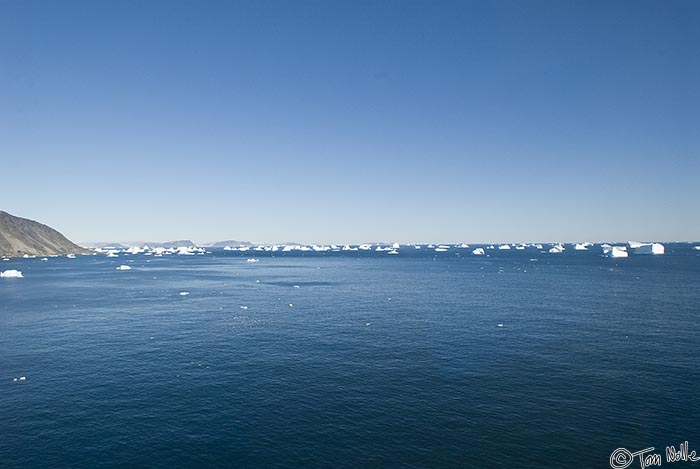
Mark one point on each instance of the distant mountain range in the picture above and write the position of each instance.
(128, 244)
(230, 242)
(21, 236)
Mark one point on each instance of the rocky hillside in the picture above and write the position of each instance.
(19, 236)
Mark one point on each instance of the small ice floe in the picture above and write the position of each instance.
(244, 308)
(651, 248)
(23, 378)
(697, 248)
(124, 267)
(478, 252)
(252, 259)
(71, 256)
(296, 286)
(580, 247)
(500, 324)
(557, 249)
(393, 252)
(45, 259)
(615, 251)
(504, 246)
(184, 293)
(11, 274)
(368, 324)
(291, 305)
(441, 249)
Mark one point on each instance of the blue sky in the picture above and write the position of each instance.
(329, 121)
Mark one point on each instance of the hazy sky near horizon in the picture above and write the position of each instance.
(353, 121)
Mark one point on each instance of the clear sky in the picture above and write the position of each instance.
(330, 121)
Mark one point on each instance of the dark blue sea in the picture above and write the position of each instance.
(349, 359)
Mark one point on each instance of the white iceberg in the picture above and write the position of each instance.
(123, 267)
(478, 252)
(185, 251)
(580, 247)
(252, 260)
(504, 246)
(615, 251)
(184, 293)
(651, 248)
(11, 274)
(697, 248)
(393, 251)
(556, 249)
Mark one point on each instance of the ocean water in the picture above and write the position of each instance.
(349, 359)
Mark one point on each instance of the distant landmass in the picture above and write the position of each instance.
(230, 242)
(127, 244)
(21, 236)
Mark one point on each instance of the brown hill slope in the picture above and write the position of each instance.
(20, 236)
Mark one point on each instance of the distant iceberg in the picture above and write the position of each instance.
(251, 260)
(504, 246)
(393, 251)
(478, 252)
(11, 274)
(123, 267)
(580, 247)
(615, 251)
(697, 248)
(556, 249)
(651, 248)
